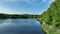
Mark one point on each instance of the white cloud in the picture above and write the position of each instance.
(50, 1)
(28, 1)
(19, 0)
(11, 11)
(6, 10)
(12, 0)
(44, 1)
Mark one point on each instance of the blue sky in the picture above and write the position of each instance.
(24, 6)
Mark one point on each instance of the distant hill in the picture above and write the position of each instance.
(15, 16)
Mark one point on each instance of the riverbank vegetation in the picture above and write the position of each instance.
(51, 18)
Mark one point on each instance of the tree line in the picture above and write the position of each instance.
(14, 16)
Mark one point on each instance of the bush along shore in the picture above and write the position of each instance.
(43, 26)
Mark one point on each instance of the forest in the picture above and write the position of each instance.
(51, 18)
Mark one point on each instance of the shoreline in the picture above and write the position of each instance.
(45, 31)
(47, 28)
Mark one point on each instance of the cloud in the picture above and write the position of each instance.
(19, 0)
(51, 1)
(12, 0)
(29, 1)
(39, 2)
(6, 10)
(44, 1)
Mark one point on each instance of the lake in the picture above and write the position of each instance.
(20, 26)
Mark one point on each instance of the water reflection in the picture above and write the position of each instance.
(20, 26)
(1, 21)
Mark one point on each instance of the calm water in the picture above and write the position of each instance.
(20, 26)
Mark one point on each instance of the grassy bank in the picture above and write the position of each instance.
(48, 29)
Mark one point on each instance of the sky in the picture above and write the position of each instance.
(24, 6)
